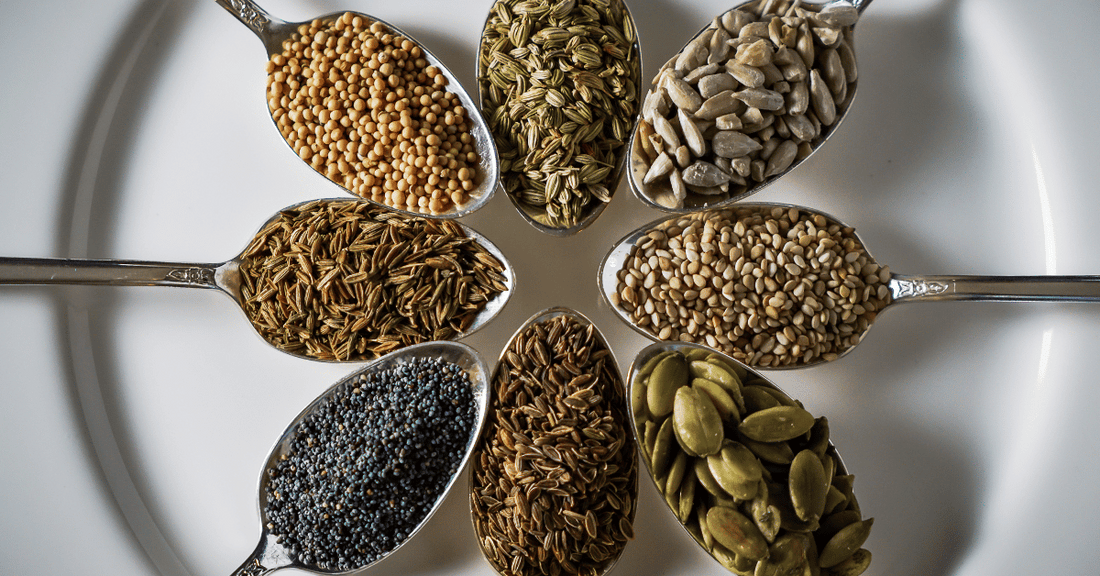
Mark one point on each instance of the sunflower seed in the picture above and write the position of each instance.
(757, 79)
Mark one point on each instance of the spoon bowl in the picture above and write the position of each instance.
(734, 458)
(273, 32)
(270, 554)
(558, 347)
(520, 158)
(728, 124)
(889, 289)
(227, 277)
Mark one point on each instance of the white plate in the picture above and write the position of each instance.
(135, 420)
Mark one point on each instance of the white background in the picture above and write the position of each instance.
(134, 420)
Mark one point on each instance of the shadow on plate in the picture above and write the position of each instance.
(85, 223)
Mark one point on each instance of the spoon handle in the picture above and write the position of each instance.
(270, 30)
(995, 288)
(249, 13)
(268, 557)
(107, 272)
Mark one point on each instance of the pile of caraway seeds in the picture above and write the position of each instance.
(554, 478)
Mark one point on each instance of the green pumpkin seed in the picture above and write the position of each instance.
(757, 398)
(639, 406)
(788, 556)
(788, 520)
(819, 436)
(706, 479)
(830, 467)
(736, 470)
(649, 440)
(693, 354)
(726, 501)
(808, 486)
(738, 371)
(732, 367)
(855, 565)
(727, 408)
(834, 523)
(713, 371)
(663, 447)
(701, 522)
(696, 534)
(834, 500)
(845, 543)
(647, 368)
(737, 533)
(737, 564)
(777, 424)
(853, 504)
(696, 422)
(781, 397)
(670, 374)
(676, 475)
(687, 495)
(766, 516)
(773, 452)
(672, 497)
(844, 483)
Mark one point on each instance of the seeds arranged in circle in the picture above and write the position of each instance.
(363, 106)
(773, 498)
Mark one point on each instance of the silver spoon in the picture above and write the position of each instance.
(270, 554)
(544, 316)
(273, 32)
(730, 180)
(224, 277)
(537, 216)
(902, 288)
(684, 501)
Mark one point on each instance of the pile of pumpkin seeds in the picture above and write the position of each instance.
(554, 479)
(747, 470)
(559, 87)
(347, 281)
(755, 92)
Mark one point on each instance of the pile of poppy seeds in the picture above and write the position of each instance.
(366, 467)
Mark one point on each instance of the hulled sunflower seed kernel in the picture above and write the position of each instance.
(783, 76)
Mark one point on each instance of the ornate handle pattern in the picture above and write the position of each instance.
(996, 288)
(106, 272)
(248, 13)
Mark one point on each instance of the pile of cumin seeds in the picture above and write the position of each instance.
(343, 280)
(554, 479)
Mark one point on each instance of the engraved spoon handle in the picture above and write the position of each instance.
(109, 273)
(995, 288)
(268, 557)
(269, 29)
